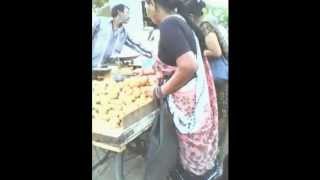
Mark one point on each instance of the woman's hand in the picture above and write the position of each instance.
(155, 92)
(142, 71)
(138, 71)
(206, 53)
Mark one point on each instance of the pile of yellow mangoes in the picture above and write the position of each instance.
(112, 101)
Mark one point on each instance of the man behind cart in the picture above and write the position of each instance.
(109, 36)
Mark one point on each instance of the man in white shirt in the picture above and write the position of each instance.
(109, 36)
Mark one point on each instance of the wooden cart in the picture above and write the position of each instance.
(116, 140)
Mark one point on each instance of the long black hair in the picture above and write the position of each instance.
(183, 8)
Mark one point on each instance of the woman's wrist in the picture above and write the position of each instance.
(158, 91)
(163, 92)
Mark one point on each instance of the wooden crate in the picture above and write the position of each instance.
(132, 124)
(116, 139)
(101, 73)
(138, 114)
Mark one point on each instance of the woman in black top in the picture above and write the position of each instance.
(190, 88)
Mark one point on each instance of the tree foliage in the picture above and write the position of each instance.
(220, 13)
(99, 3)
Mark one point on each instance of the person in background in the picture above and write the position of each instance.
(110, 36)
(212, 23)
(216, 50)
(219, 65)
(191, 97)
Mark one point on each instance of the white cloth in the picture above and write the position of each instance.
(191, 124)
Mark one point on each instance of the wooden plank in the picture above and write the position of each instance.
(139, 113)
(127, 135)
(109, 147)
(102, 128)
(141, 126)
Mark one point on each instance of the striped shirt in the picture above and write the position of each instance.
(107, 42)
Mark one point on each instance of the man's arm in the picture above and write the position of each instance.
(130, 43)
(95, 25)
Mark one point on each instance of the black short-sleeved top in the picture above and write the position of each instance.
(176, 38)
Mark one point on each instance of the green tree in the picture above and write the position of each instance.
(99, 3)
(219, 12)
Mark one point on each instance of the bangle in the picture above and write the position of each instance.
(158, 92)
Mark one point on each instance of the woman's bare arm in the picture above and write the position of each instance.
(186, 67)
(213, 47)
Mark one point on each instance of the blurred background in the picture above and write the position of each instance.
(216, 9)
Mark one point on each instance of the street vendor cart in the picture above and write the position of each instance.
(133, 124)
(116, 141)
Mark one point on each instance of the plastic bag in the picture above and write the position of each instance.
(162, 154)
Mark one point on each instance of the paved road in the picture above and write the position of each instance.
(133, 167)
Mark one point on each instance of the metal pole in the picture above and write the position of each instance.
(119, 166)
